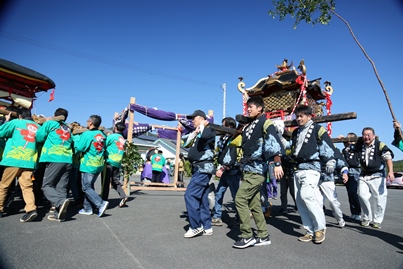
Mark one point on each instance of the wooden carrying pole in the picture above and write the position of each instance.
(325, 118)
(291, 123)
(6, 112)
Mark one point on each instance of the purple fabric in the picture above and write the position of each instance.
(169, 134)
(138, 129)
(165, 175)
(147, 172)
(210, 119)
(159, 115)
(154, 113)
(187, 126)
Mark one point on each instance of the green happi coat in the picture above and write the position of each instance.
(20, 150)
(157, 162)
(58, 140)
(92, 144)
(115, 144)
(2, 146)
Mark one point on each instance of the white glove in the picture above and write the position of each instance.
(330, 166)
(279, 124)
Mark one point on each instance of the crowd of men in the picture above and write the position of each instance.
(306, 162)
(49, 160)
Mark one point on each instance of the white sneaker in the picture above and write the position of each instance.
(208, 231)
(342, 223)
(193, 232)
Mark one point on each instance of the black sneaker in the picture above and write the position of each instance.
(53, 218)
(265, 241)
(31, 215)
(62, 212)
(1, 214)
(293, 210)
(244, 243)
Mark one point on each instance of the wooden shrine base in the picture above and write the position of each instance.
(152, 186)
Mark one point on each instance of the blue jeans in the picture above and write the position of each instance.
(196, 200)
(226, 180)
(91, 197)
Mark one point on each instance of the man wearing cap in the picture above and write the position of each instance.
(201, 155)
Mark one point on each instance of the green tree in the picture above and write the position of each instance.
(310, 11)
(188, 168)
(398, 166)
(320, 11)
(131, 160)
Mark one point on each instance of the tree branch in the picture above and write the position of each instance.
(373, 66)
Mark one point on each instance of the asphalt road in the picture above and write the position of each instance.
(148, 233)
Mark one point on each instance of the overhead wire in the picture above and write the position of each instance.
(106, 61)
(95, 58)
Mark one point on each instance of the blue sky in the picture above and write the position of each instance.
(175, 55)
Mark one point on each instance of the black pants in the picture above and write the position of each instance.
(180, 178)
(156, 176)
(55, 181)
(76, 187)
(287, 182)
(111, 175)
(37, 183)
(352, 192)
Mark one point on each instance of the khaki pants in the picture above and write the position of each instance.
(247, 200)
(25, 181)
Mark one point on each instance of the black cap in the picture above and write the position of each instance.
(196, 113)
